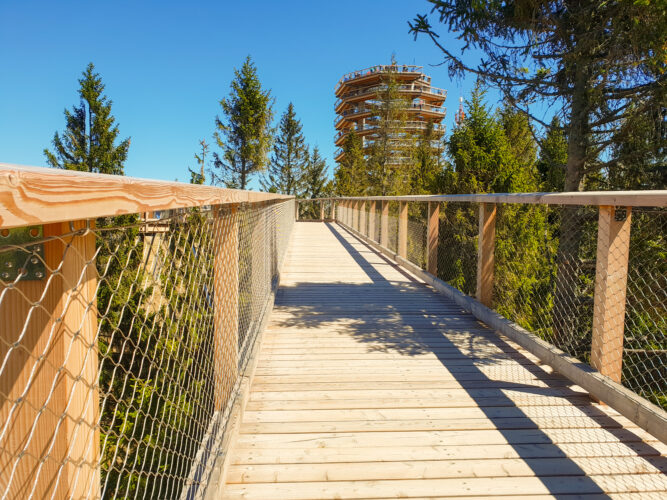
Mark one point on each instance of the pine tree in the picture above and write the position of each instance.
(290, 157)
(244, 132)
(88, 142)
(350, 176)
(315, 176)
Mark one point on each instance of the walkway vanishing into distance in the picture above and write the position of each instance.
(369, 384)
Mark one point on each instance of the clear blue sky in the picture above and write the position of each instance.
(167, 64)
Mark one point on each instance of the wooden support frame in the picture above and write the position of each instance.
(59, 411)
(321, 210)
(403, 229)
(432, 235)
(611, 276)
(226, 300)
(384, 224)
(296, 209)
(485, 252)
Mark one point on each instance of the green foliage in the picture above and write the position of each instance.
(290, 158)
(553, 158)
(88, 142)
(426, 172)
(315, 182)
(603, 61)
(199, 177)
(350, 176)
(483, 158)
(244, 132)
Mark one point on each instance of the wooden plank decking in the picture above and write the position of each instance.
(371, 385)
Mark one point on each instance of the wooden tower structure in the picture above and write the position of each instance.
(358, 93)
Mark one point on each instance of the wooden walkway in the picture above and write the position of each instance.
(371, 385)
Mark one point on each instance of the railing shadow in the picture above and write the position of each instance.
(411, 319)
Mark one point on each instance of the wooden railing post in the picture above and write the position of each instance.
(384, 224)
(485, 252)
(52, 402)
(321, 210)
(362, 217)
(403, 230)
(433, 230)
(371, 220)
(333, 210)
(611, 276)
(355, 215)
(226, 304)
(296, 209)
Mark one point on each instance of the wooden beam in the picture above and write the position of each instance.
(32, 195)
(384, 224)
(226, 304)
(321, 210)
(485, 252)
(648, 198)
(611, 276)
(51, 376)
(297, 204)
(432, 237)
(403, 230)
(362, 217)
(371, 219)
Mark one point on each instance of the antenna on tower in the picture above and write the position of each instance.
(460, 114)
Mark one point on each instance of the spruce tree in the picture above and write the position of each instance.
(315, 176)
(426, 174)
(243, 132)
(290, 157)
(88, 142)
(350, 176)
(199, 177)
(482, 158)
(604, 62)
(553, 158)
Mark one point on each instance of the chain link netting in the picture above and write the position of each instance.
(417, 229)
(457, 245)
(544, 279)
(121, 358)
(645, 342)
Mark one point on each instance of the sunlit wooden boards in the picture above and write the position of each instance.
(371, 385)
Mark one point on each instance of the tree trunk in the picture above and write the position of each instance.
(567, 299)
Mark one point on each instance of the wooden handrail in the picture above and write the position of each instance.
(37, 195)
(648, 198)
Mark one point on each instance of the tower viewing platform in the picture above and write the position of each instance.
(165, 340)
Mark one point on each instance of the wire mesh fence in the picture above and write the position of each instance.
(548, 278)
(123, 343)
(457, 245)
(416, 234)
